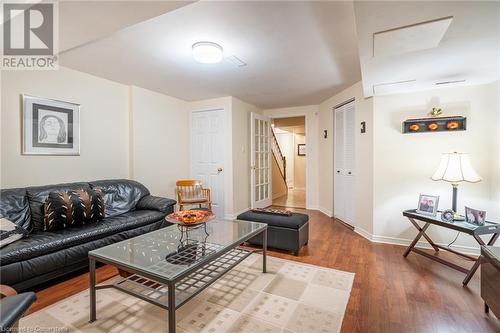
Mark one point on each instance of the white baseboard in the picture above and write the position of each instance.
(279, 194)
(234, 215)
(406, 242)
(325, 211)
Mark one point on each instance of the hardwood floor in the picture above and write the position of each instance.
(294, 198)
(390, 293)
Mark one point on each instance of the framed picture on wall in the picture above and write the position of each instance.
(50, 127)
(301, 149)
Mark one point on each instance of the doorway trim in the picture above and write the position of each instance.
(308, 155)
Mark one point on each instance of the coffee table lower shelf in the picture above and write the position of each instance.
(157, 293)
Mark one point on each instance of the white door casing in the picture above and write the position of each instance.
(207, 154)
(260, 161)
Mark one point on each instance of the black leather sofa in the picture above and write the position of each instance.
(130, 211)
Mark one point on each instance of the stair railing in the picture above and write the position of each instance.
(278, 156)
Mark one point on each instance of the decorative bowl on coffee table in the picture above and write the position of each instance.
(190, 218)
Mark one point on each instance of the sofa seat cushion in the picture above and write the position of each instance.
(295, 221)
(40, 243)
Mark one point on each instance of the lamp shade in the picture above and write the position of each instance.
(455, 168)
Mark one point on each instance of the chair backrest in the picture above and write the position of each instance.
(189, 188)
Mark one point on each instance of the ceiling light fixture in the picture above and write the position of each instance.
(207, 52)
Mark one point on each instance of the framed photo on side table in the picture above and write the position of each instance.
(475, 216)
(50, 127)
(428, 204)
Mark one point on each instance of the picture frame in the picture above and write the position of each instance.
(475, 216)
(448, 215)
(427, 204)
(301, 149)
(50, 127)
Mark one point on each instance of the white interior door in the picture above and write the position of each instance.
(339, 178)
(260, 150)
(207, 154)
(344, 181)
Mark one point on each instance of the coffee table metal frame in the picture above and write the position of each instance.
(155, 289)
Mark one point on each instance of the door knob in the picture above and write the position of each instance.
(338, 171)
(219, 169)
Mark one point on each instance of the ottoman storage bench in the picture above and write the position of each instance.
(283, 232)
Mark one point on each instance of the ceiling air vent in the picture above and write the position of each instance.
(236, 61)
(448, 82)
(393, 87)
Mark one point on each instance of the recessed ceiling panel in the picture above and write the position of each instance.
(415, 37)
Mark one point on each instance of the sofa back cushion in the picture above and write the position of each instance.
(72, 208)
(14, 206)
(120, 195)
(37, 196)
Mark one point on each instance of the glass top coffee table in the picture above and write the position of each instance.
(184, 259)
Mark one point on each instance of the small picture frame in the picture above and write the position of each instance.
(475, 216)
(428, 204)
(50, 127)
(448, 215)
(301, 149)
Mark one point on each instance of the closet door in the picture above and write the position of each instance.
(344, 157)
(349, 163)
(339, 178)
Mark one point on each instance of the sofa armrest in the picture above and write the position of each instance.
(12, 308)
(151, 202)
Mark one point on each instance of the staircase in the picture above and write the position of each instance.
(279, 157)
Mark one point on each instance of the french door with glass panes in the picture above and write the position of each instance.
(260, 149)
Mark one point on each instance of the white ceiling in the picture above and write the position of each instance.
(469, 49)
(81, 22)
(297, 53)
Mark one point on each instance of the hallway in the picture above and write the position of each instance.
(295, 198)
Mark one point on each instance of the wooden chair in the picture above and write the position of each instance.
(191, 192)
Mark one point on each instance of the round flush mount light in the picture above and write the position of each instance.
(207, 52)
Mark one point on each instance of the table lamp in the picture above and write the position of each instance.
(455, 168)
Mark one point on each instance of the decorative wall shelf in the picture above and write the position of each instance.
(435, 124)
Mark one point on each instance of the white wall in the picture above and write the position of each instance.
(104, 122)
(363, 155)
(299, 168)
(312, 157)
(241, 154)
(403, 163)
(160, 142)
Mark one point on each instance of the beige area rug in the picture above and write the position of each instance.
(290, 298)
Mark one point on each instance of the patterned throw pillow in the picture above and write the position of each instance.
(65, 209)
